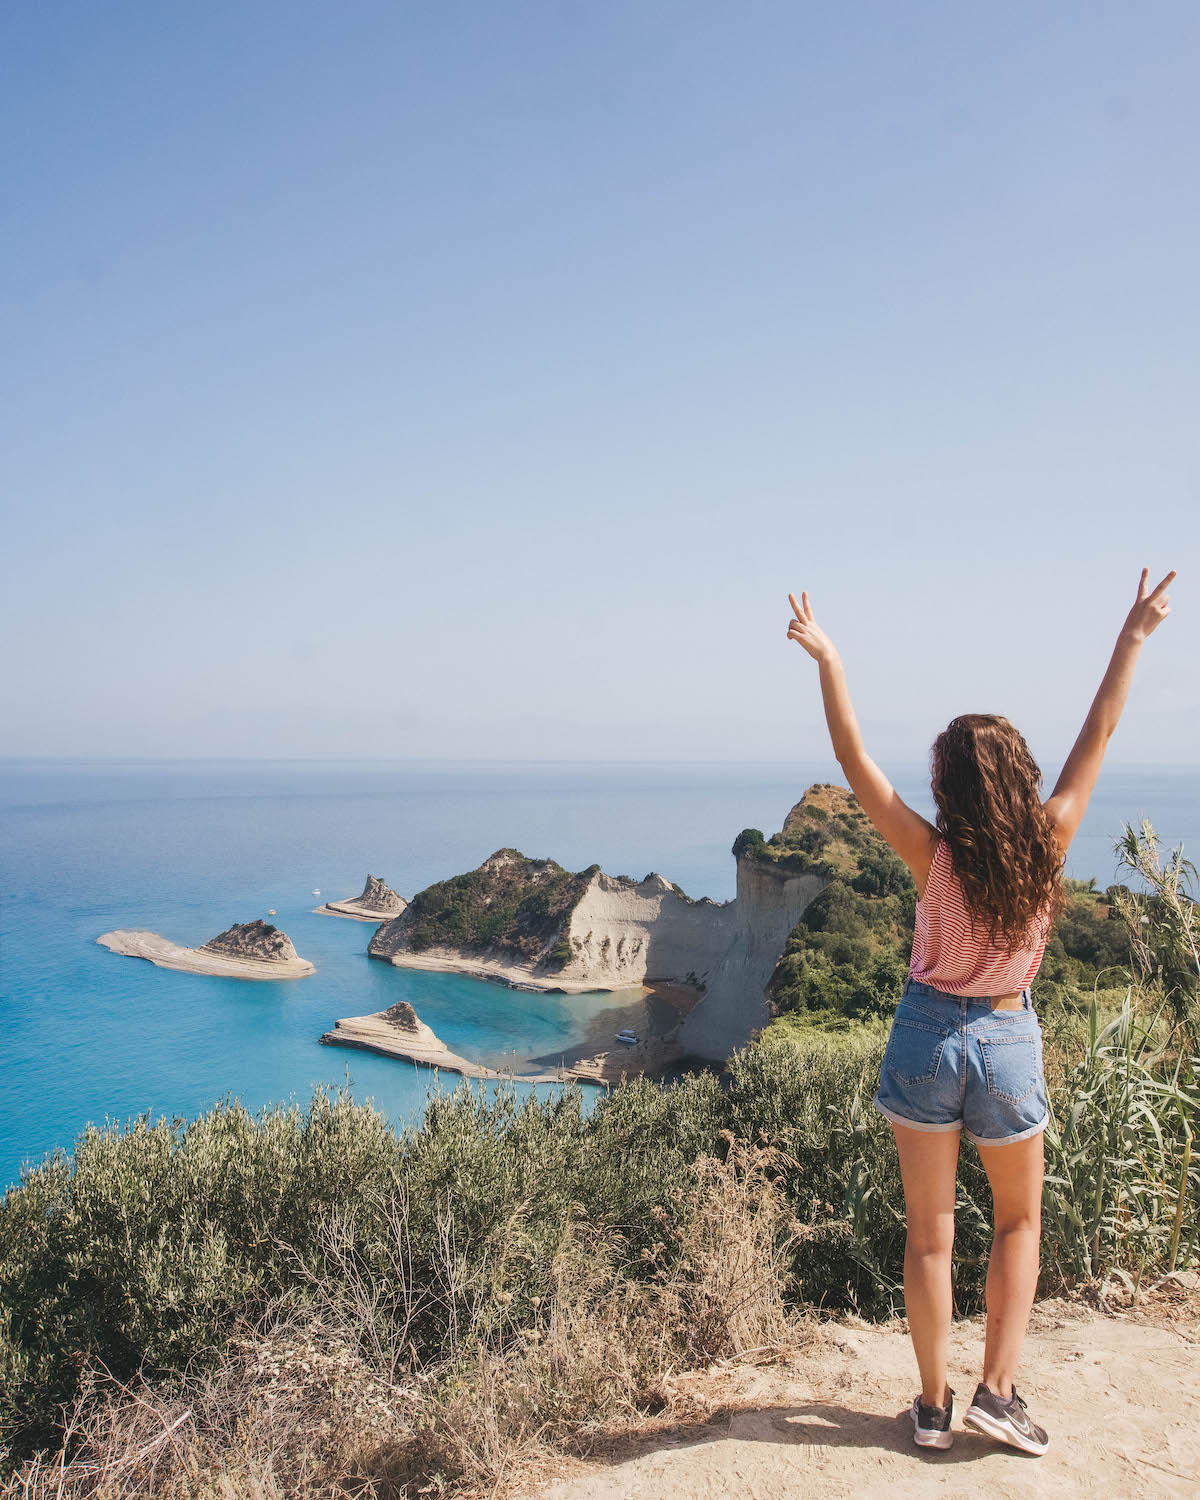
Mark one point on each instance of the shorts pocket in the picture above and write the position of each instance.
(914, 1052)
(1012, 1064)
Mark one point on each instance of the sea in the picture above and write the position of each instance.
(186, 848)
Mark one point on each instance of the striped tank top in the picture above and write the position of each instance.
(951, 951)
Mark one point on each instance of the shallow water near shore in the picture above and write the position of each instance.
(186, 848)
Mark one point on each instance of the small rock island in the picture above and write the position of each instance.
(378, 903)
(247, 950)
(399, 1032)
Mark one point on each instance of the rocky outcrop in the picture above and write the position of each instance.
(622, 934)
(399, 1032)
(378, 903)
(531, 924)
(769, 903)
(506, 920)
(257, 940)
(402, 1017)
(251, 950)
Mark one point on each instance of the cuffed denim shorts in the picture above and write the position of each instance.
(954, 1063)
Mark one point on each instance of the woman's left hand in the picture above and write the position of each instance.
(805, 631)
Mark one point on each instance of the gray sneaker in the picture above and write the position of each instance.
(931, 1424)
(1008, 1421)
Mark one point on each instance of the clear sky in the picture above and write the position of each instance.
(475, 379)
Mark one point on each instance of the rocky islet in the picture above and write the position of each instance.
(246, 950)
(377, 903)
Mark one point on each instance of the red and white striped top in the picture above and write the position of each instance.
(952, 952)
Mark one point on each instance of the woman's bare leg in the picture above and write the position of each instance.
(929, 1167)
(1015, 1173)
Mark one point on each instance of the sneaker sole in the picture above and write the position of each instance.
(1002, 1432)
(926, 1439)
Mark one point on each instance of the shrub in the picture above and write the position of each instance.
(333, 1398)
(749, 840)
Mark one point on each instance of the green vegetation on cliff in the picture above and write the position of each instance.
(847, 958)
(510, 905)
(1088, 948)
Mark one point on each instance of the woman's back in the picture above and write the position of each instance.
(953, 952)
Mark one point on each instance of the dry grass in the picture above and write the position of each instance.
(324, 1399)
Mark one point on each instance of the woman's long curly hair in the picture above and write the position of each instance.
(987, 787)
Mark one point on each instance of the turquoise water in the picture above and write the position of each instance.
(184, 849)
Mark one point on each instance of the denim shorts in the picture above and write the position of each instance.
(954, 1063)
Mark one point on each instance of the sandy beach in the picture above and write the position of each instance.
(515, 976)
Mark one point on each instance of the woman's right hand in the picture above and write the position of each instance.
(1150, 608)
(807, 633)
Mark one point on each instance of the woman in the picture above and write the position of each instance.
(964, 1052)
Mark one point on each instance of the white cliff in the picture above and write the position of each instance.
(769, 903)
(625, 934)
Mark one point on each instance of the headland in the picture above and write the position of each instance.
(533, 925)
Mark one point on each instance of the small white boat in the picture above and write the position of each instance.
(628, 1036)
(316, 892)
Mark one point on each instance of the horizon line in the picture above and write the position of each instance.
(457, 760)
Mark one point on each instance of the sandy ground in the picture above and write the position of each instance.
(169, 955)
(1119, 1395)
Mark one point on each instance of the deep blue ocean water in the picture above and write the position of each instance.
(186, 848)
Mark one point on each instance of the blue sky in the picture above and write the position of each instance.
(476, 379)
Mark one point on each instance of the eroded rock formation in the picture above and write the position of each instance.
(378, 896)
(378, 903)
(532, 924)
(256, 940)
(249, 950)
(535, 925)
(769, 903)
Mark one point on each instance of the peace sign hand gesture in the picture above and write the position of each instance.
(805, 630)
(1150, 608)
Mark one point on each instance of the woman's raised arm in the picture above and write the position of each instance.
(1068, 801)
(909, 834)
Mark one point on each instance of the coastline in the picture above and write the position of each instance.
(514, 976)
(411, 1040)
(352, 910)
(374, 1033)
(137, 943)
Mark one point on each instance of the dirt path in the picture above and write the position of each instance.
(1120, 1396)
